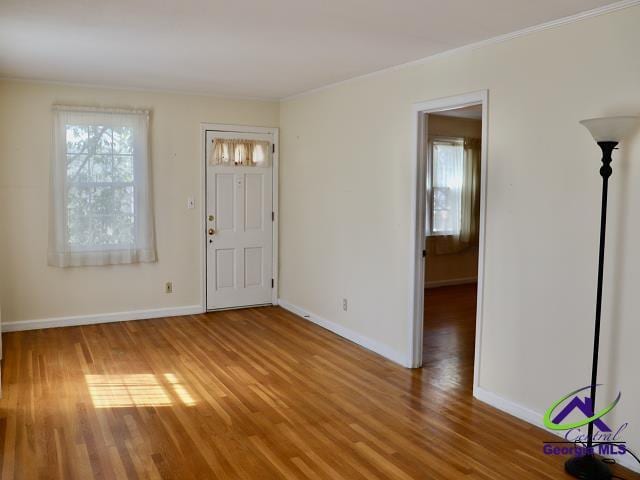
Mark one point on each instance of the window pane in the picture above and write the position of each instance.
(441, 199)
(78, 168)
(123, 200)
(101, 215)
(103, 201)
(79, 201)
(440, 221)
(446, 187)
(101, 139)
(100, 191)
(123, 140)
(122, 228)
(79, 228)
(77, 136)
(112, 230)
(101, 168)
(78, 215)
(122, 168)
(447, 166)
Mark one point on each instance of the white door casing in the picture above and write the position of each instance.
(420, 113)
(239, 252)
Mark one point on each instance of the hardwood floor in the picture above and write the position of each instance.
(253, 394)
(449, 336)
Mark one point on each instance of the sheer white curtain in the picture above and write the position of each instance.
(454, 195)
(101, 210)
(446, 184)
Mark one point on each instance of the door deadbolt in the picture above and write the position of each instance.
(211, 218)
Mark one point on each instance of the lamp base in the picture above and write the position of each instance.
(587, 468)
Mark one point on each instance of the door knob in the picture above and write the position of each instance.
(211, 231)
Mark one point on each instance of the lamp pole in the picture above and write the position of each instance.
(607, 132)
(589, 467)
(605, 173)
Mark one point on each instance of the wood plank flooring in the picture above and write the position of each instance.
(250, 394)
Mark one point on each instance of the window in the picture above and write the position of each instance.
(444, 186)
(101, 198)
(240, 152)
(100, 189)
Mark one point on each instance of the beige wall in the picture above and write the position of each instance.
(29, 289)
(451, 269)
(461, 266)
(346, 206)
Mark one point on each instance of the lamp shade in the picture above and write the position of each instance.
(610, 129)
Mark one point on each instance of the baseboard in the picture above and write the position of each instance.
(344, 332)
(512, 408)
(100, 318)
(451, 282)
(535, 418)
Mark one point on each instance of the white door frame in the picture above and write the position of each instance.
(420, 114)
(204, 127)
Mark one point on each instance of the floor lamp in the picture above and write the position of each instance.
(607, 132)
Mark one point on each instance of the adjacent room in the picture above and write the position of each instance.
(452, 231)
(331, 240)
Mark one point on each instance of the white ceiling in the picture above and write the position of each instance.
(255, 48)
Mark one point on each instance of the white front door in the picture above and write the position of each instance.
(239, 230)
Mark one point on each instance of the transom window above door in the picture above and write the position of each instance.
(240, 152)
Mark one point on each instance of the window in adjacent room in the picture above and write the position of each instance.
(101, 211)
(444, 186)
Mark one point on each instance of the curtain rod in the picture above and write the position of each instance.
(86, 109)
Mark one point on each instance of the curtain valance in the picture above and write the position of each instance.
(240, 152)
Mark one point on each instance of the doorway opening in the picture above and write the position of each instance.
(449, 260)
(240, 214)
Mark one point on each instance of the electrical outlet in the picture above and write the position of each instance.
(168, 288)
(345, 304)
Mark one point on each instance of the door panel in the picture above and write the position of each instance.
(225, 201)
(253, 267)
(225, 268)
(253, 198)
(239, 251)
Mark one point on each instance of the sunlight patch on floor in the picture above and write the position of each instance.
(137, 390)
(179, 390)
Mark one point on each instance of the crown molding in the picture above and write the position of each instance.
(124, 88)
(613, 7)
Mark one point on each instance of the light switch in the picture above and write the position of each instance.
(191, 203)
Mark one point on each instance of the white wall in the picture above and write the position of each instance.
(346, 197)
(29, 289)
